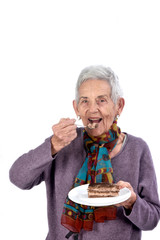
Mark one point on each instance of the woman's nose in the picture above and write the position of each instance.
(93, 107)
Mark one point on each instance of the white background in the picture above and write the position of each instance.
(43, 47)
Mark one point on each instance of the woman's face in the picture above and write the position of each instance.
(96, 106)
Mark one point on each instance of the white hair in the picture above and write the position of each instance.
(100, 72)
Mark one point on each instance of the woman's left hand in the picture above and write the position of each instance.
(128, 204)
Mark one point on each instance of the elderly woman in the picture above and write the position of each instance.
(98, 152)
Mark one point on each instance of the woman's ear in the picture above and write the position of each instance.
(75, 106)
(120, 105)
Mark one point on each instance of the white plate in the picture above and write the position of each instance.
(80, 195)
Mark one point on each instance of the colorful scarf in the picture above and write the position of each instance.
(96, 168)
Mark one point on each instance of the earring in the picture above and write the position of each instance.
(78, 117)
(116, 117)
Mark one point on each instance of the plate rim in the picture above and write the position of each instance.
(110, 200)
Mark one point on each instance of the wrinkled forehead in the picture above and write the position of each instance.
(94, 88)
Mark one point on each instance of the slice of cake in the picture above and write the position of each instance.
(97, 190)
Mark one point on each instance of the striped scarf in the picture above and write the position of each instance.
(95, 169)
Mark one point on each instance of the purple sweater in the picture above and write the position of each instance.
(132, 164)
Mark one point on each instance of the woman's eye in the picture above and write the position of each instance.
(102, 100)
(84, 101)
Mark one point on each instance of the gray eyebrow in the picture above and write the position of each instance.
(102, 96)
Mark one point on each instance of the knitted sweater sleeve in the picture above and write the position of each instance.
(28, 170)
(146, 210)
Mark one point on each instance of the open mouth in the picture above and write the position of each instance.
(93, 122)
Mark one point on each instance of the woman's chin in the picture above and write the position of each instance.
(95, 132)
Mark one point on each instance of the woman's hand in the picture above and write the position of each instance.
(64, 133)
(128, 204)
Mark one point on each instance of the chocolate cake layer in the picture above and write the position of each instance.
(96, 190)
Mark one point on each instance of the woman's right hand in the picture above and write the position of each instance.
(64, 133)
